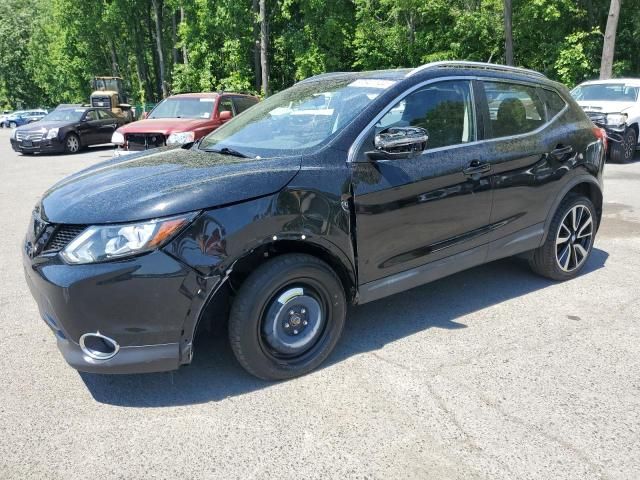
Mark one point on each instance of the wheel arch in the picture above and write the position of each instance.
(215, 310)
(585, 185)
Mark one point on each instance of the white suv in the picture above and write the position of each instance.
(616, 105)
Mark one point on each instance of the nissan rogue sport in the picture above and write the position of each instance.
(343, 189)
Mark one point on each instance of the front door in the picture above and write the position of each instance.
(416, 210)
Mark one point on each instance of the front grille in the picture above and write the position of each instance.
(62, 236)
(101, 101)
(143, 141)
(33, 136)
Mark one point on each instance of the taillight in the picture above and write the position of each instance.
(602, 135)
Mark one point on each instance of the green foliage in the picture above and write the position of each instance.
(50, 49)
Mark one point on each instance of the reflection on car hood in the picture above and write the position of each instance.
(166, 126)
(162, 182)
(605, 106)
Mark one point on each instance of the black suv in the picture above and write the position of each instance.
(345, 188)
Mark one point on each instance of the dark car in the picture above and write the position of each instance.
(345, 188)
(66, 130)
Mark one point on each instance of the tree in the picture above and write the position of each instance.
(157, 9)
(264, 45)
(608, 48)
(508, 34)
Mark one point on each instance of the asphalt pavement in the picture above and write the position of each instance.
(493, 373)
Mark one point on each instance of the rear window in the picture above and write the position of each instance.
(514, 109)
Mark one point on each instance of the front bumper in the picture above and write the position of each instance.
(148, 304)
(46, 145)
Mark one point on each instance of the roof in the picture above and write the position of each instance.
(195, 95)
(402, 73)
(632, 82)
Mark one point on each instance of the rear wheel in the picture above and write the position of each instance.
(287, 317)
(71, 143)
(569, 241)
(624, 151)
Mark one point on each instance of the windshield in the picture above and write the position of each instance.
(606, 92)
(303, 116)
(184, 108)
(107, 84)
(70, 115)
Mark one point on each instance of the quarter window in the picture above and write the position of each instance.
(513, 109)
(552, 101)
(444, 109)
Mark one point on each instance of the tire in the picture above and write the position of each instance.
(72, 143)
(623, 152)
(288, 292)
(13, 125)
(567, 249)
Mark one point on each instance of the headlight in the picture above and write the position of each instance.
(106, 242)
(13, 133)
(117, 138)
(53, 133)
(616, 119)
(181, 137)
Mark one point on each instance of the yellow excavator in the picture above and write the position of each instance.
(108, 92)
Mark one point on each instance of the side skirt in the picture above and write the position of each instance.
(518, 242)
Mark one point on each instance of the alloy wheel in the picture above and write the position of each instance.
(73, 145)
(574, 237)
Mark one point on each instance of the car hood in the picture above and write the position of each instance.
(165, 126)
(165, 182)
(40, 125)
(605, 107)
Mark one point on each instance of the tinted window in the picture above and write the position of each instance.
(444, 109)
(242, 103)
(225, 105)
(552, 101)
(513, 109)
(91, 115)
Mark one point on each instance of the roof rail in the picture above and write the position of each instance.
(476, 65)
(321, 75)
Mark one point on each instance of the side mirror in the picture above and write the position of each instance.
(399, 142)
(225, 116)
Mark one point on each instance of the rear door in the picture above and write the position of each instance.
(413, 211)
(528, 148)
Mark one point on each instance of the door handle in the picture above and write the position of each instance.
(476, 168)
(561, 151)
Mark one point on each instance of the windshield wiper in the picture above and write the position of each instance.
(227, 151)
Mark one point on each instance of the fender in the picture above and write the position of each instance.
(582, 178)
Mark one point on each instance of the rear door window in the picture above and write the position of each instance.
(242, 103)
(514, 109)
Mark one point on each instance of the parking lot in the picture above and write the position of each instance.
(491, 373)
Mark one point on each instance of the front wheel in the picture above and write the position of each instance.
(72, 143)
(13, 125)
(287, 317)
(624, 151)
(569, 240)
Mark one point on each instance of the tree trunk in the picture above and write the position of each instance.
(255, 10)
(608, 48)
(508, 33)
(183, 19)
(157, 8)
(264, 45)
(115, 70)
(174, 40)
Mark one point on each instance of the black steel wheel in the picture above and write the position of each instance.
(287, 317)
